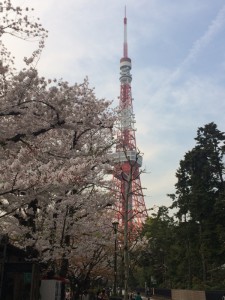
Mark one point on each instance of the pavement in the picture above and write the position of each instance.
(154, 298)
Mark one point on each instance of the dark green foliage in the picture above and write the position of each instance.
(190, 253)
(154, 256)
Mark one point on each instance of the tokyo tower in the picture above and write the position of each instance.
(130, 206)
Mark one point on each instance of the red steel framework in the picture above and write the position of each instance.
(128, 159)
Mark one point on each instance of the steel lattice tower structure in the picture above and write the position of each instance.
(130, 205)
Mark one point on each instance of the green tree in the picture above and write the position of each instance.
(155, 257)
(199, 200)
(187, 250)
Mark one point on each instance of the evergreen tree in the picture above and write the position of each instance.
(188, 251)
(199, 201)
(159, 232)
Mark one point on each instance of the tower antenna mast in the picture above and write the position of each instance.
(125, 46)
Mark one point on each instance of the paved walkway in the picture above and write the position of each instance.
(154, 298)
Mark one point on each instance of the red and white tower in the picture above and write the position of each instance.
(130, 204)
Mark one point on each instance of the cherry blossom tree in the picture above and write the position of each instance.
(96, 262)
(55, 140)
(17, 22)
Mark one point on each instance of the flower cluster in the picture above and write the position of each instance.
(54, 154)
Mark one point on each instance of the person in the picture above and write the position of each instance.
(103, 295)
(67, 295)
(130, 296)
(85, 296)
(138, 296)
(223, 297)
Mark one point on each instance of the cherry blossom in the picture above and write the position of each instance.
(55, 142)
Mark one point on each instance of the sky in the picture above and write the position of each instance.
(177, 49)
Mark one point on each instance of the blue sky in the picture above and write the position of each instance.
(177, 49)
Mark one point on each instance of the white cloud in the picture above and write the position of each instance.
(199, 45)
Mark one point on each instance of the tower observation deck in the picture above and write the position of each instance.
(130, 205)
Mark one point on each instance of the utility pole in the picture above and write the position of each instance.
(126, 235)
(115, 228)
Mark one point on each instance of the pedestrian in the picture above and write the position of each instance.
(103, 295)
(67, 295)
(223, 297)
(138, 296)
(85, 296)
